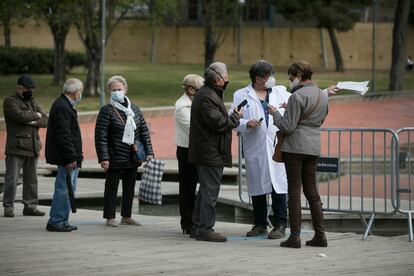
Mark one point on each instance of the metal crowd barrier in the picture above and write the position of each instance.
(405, 183)
(359, 172)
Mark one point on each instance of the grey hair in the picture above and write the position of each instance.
(215, 71)
(72, 85)
(261, 69)
(120, 79)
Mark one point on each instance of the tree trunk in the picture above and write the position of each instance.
(93, 76)
(210, 46)
(7, 35)
(59, 38)
(399, 38)
(339, 64)
(153, 44)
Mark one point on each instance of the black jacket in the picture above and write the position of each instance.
(22, 124)
(210, 129)
(109, 130)
(63, 137)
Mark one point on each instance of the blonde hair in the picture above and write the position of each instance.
(193, 80)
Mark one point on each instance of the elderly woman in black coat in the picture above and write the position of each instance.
(119, 126)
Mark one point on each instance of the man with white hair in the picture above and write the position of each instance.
(64, 149)
(210, 148)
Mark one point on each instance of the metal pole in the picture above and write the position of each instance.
(374, 19)
(103, 44)
(240, 32)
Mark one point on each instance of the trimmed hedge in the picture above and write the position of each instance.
(17, 60)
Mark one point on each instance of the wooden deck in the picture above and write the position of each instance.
(157, 247)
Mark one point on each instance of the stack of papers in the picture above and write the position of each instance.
(354, 86)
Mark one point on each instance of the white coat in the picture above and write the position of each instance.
(258, 144)
(182, 121)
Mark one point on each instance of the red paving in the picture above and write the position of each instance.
(383, 113)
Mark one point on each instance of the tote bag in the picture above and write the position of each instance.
(150, 187)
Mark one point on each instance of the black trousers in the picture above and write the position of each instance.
(128, 176)
(188, 178)
(279, 208)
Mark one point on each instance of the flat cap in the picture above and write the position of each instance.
(26, 81)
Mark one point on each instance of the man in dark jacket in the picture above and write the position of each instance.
(23, 118)
(210, 148)
(64, 149)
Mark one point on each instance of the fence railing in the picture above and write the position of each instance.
(364, 171)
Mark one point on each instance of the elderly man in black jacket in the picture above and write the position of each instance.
(210, 148)
(64, 149)
(23, 118)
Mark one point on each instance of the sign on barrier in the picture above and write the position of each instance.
(327, 164)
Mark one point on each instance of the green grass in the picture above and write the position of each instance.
(160, 84)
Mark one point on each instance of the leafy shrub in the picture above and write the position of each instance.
(17, 60)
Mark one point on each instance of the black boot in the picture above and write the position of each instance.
(292, 242)
(318, 240)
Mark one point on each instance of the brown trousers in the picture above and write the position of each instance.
(301, 171)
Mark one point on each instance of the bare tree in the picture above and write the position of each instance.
(334, 15)
(59, 15)
(89, 29)
(159, 10)
(217, 16)
(12, 12)
(399, 39)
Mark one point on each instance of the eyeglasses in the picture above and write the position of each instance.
(217, 73)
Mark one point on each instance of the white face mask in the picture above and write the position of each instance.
(118, 95)
(294, 83)
(271, 81)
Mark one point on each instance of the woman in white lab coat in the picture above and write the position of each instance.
(264, 176)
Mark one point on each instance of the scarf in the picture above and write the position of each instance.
(130, 126)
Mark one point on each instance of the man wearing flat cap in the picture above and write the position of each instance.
(23, 118)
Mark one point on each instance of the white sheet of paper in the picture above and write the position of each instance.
(354, 86)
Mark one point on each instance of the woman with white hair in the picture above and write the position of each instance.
(119, 127)
(187, 173)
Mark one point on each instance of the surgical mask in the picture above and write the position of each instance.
(294, 83)
(78, 99)
(118, 95)
(27, 95)
(271, 81)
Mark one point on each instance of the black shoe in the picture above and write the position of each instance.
(292, 242)
(33, 212)
(8, 212)
(58, 228)
(318, 241)
(211, 237)
(257, 230)
(72, 227)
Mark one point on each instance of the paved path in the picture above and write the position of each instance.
(157, 248)
(382, 113)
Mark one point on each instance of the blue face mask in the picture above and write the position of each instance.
(78, 99)
(118, 95)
